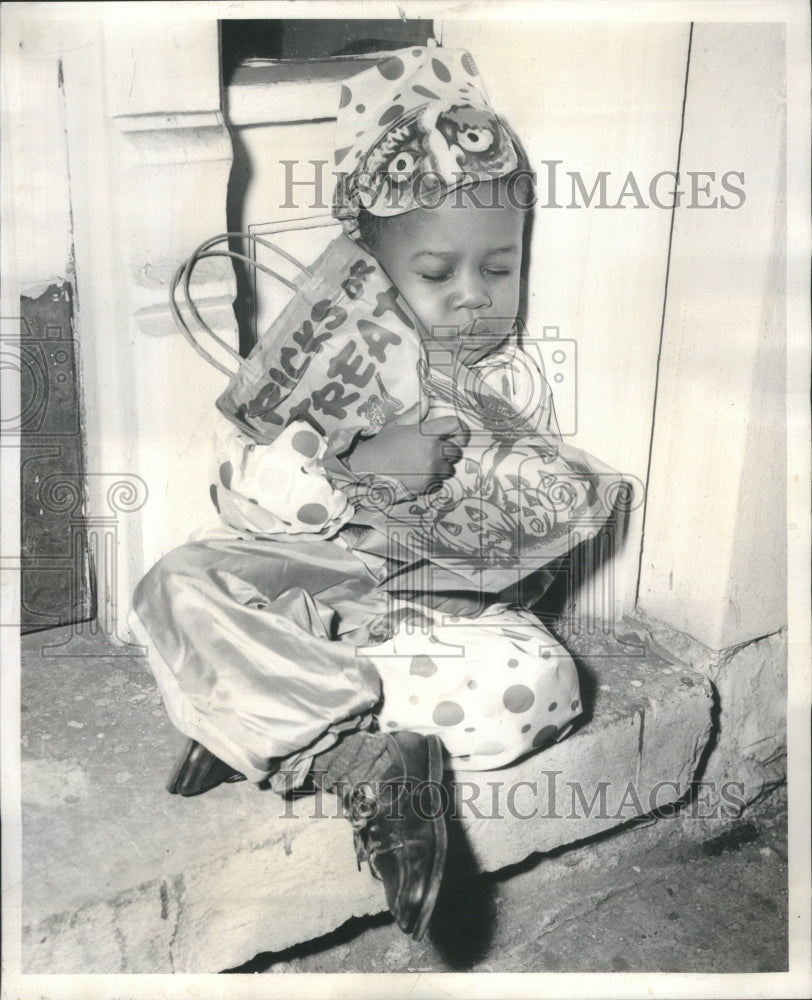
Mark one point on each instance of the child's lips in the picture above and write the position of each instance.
(475, 340)
(477, 328)
(479, 339)
(474, 351)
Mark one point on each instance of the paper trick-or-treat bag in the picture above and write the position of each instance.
(342, 354)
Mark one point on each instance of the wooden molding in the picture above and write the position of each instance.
(185, 137)
(178, 164)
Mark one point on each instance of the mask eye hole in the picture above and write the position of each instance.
(475, 140)
(402, 165)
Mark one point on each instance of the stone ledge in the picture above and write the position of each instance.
(119, 876)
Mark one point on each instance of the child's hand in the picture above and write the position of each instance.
(418, 451)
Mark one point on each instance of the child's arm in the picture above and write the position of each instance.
(292, 486)
(417, 451)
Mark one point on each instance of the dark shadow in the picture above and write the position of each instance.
(245, 302)
(710, 745)
(461, 928)
(344, 934)
(463, 923)
(527, 249)
(731, 840)
(588, 684)
(292, 39)
(584, 562)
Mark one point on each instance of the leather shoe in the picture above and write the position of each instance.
(399, 832)
(197, 770)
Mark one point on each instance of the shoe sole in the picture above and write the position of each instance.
(197, 771)
(435, 774)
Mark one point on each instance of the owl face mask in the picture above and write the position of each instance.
(410, 129)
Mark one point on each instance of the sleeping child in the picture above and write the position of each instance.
(393, 494)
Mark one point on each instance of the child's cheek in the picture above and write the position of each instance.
(426, 304)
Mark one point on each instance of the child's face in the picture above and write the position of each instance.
(456, 264)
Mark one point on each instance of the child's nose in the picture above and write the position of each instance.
(471, 293)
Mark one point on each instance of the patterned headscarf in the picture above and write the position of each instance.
(412, 127)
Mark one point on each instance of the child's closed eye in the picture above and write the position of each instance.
(498, 272)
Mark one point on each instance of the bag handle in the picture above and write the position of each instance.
(183, 276)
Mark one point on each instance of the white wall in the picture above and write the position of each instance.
(599, 97)
(35, 183)
(714, 558)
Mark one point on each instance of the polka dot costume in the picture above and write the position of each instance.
(413, 125)
(492, 688)
(281, 489)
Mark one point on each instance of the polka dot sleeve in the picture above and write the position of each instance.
(277, 488)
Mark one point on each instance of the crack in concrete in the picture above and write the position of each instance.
(640, 738)
(727, 654)
(179, 892)
(591, 903)
(693, 768)
(121, 941)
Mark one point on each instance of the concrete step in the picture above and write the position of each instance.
(119, 876)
